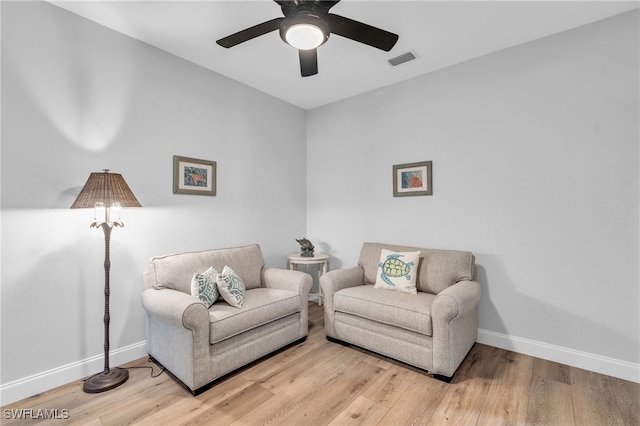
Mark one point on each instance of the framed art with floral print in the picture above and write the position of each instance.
(412, 179)
(194, 176)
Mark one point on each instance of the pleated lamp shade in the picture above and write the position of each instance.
(106, 189)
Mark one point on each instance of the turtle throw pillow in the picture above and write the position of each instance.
(398, 271)
(204, 287)
(231, 287)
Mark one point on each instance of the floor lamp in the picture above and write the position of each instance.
(103, 192)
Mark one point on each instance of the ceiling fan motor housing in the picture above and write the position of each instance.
(309, 21)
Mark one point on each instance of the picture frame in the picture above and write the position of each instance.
(194, 176)
(412, 179)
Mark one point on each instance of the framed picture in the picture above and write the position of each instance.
(193, 176)
(412, 179)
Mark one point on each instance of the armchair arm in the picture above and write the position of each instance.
(456, 300)
(455, 325)
(286, 279)
(334, 281)
(176, 308)
(295, 281)
(177, 330)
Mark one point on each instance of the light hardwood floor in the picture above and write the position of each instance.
(324, 383)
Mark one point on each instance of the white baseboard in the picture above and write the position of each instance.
(37, 383)
(587, 361)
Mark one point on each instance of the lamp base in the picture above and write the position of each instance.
(102, 382)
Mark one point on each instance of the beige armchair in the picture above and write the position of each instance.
(198, 344)
(433, 329)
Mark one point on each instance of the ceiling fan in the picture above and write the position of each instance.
(306, 25)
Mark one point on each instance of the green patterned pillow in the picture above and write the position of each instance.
(204, 286)
(231, 287)
(398, 271)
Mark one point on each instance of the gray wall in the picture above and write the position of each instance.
(535, 169)
(77, 98)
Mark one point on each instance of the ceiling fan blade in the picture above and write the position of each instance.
(250, 33)
(308, 62)
(360, 32)
(326, 5)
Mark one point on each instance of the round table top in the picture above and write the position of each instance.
(317, 258)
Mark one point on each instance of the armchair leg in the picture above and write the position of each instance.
(442, 378)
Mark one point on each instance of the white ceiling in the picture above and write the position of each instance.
(441, 33)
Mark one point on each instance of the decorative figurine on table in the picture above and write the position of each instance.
(306, 248)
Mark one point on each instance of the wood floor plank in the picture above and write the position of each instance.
(224, 389)
(482, 362)
(320, 382)
(185, 408)
(377, 360)
(229, 410)
(417, 403)
(628, 397)
(462, 402)
(276, 410)
(180, 412)
(506, 402)
(316, 319)
(594, 399)
(337, 395)
(299, 351)
(299, 388)
(388, 388)
(551, 370)
(146, 401)
(98, 405)
(328, 359)
(260, 370)
(94, 422)
(362, 411)
(550, 403)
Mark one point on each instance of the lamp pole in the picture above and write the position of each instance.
(110, 377)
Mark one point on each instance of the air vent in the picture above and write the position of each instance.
(405, 57)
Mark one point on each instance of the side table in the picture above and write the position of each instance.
(321, 261)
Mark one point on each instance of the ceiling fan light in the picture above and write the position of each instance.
(305, 36)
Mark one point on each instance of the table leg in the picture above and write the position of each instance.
(320, 272)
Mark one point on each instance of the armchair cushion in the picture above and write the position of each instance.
(261, 306)
(410, 312)
(438, 269)
(175, 271)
